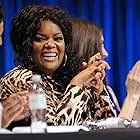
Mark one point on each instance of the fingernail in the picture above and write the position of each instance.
(108, 67)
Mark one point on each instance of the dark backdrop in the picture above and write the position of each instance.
(120, 20)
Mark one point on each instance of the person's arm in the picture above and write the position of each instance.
(106, 98)
(79, 105)
(81, 102)
(73, 106)
(13, 96)
(131, 109)
(15, 108)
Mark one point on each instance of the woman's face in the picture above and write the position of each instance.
(104, 52)
(48, 47)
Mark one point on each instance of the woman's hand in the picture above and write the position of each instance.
(15, 108)
(92, 75)
(131, 108)
(97, 82)
(133, 81)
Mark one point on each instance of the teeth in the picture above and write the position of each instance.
(49, 54)
(50, 58)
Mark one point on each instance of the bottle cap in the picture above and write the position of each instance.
(36, 78)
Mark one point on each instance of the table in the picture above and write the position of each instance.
(108, 134)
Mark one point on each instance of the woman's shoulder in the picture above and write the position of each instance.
(17, 73)
(17, 79)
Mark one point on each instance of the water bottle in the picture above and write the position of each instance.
(37, 106)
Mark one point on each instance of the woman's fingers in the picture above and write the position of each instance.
(24, 114)
(103, 65)
(11, 102)
(134, 74)
(84, 76)
(95, 58)
(11, 110)
(133, 81)
(97, 61)
(25, 111)
(91, 72)
(97, 82)
(15, 108)
(23, 93)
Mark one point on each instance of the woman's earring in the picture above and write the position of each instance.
(31, 59)
(65, 60)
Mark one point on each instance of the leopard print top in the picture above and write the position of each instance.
(73, 107)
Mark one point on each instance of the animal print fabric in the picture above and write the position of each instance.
(73, 107)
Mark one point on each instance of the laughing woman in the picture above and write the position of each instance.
(42, 38)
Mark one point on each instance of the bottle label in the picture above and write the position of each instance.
(37, 101)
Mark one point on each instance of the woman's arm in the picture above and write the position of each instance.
(81, 102)
(14, 96)
(131, 108)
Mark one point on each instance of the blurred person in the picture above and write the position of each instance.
(88, 40)
(41, 38)
(131, 106)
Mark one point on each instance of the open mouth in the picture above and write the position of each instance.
(50, 56)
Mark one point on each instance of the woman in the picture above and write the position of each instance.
(88, 40)
(41, 38)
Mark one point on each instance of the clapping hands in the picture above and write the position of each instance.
(133, 81)
(92, 74)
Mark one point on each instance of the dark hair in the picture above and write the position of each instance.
(24, 29)
(86, 38)
(1, 12)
